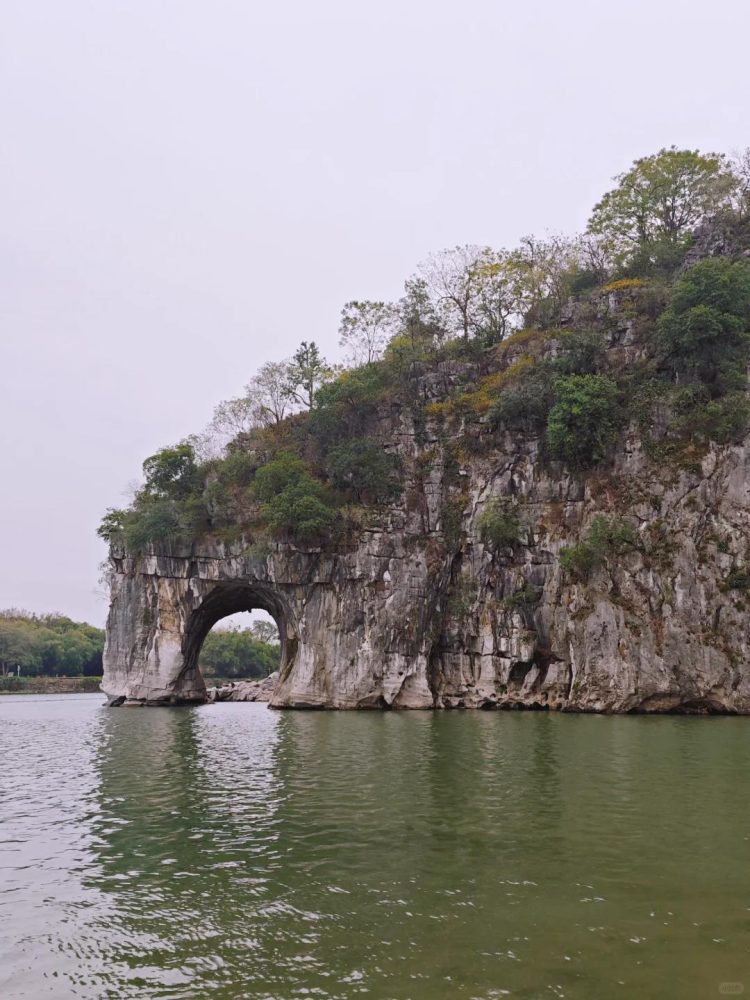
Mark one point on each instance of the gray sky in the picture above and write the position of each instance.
(191, 188)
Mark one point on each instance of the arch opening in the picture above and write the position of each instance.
(233, 598)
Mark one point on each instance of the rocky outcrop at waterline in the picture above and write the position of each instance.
(258, 690)
(418, 609)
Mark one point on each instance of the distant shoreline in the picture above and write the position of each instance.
(75, 685)
(49, 685)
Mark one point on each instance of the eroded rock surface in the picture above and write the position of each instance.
(260, 690)
(419, 613)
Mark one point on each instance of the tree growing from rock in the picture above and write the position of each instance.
(307, 371)
(647, 217)
(365, 329)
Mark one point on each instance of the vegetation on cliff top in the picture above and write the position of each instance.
(517, 340)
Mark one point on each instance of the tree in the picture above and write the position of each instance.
(267, 390)
(265, 632)
(499, 525)
(235, 653)
(171, 471)
(293, 503)
(266, 402)
(364, 468)
(486, 293)
(658, 202)
(452, 279)
(17, 648)
(49, 644)
(300, 512)
(704, 332)
(365, 329)
(541, 272)
(583, 424)
(418, 318)
(305, 374)
(740, 166)
(495, 299)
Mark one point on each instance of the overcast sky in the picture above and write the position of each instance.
(191, 187)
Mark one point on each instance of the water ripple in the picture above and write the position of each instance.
(230, 851)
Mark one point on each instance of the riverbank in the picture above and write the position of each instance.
(49, 685)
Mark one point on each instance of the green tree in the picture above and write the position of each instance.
(50, 645)
(306, 373)
(584, 423)
(265, 631)
(285, 470)
(607, 537)
(153, 520)
(300, 513)
(419, 320)
(344, 406)
(293, 503)
(171, 471)
(704, 332)
(364, 468)
(647, 218)
(237, 653)
(499, 525)
(703, 337)
(112, 527)
(17, 648)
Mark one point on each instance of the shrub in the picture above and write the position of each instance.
(606, 537)
(584, 423)
(738, 579)
(451, 519)
(238, 468)
(300, 512)
(274, 477)
(581, 353)
(293, 503)
(527, 404)
(154, 521)
(499, 526)
(171, 472)
(580, 560)
(522, 598)
(624, 285)
(723, 420)
(362, 467)
(344, 406)
(583, 280)
(703, 333)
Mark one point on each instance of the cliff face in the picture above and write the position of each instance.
(420, 612)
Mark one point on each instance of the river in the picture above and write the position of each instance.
(230, 851)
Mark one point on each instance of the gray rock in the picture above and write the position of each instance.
(261, 690)
(419, 613)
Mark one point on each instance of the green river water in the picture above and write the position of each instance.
(231, 851)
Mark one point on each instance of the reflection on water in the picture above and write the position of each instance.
(230, 851)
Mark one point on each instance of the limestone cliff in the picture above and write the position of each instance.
(417, 611)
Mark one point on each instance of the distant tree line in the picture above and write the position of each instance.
(56, 646)
(235, 653)
(49, 645)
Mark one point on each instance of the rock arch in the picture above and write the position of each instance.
(227, 598)
(356, 627)
(161, 610)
